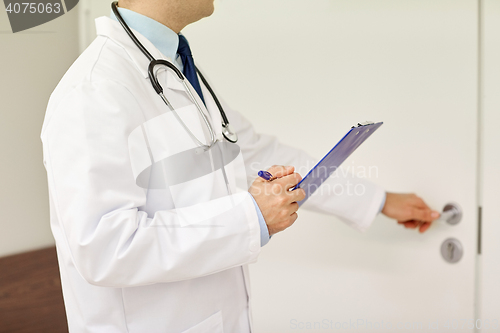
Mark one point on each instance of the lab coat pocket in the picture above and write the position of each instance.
(212, 324)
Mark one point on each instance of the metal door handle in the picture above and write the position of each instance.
(452, 213)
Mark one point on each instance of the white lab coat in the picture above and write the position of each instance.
(169, 258)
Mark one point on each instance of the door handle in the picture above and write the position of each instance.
(452, 213)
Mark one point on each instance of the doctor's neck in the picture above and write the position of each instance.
(175, 14)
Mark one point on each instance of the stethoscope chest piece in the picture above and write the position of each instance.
(229, 133)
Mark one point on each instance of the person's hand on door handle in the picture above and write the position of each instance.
(409, 210)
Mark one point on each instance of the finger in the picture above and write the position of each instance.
(288, 222)
(279, 171)
(289, 181)
(410, 224)
(293, 207)
(419, 214)
(297, 195)
(420, 203)
(424, 227)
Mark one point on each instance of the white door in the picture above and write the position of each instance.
(306, 71)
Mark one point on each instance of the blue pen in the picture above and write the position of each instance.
(266, 175)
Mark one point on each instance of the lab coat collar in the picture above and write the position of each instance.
(111, 29)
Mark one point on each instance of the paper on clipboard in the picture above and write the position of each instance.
(335, 157)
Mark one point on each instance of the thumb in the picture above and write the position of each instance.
(279, 171)
(425, 215)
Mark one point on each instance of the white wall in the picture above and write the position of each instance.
(32, 63)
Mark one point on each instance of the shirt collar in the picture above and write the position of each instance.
(162, 37)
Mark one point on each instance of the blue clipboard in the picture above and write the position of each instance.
(335, 157)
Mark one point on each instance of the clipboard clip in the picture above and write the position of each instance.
(364, 123)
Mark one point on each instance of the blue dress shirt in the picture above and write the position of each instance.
(167, 41)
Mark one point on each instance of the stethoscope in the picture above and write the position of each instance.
(227, 130)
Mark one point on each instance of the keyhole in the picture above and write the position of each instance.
(451, 250)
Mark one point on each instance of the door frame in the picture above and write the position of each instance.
(488, 257)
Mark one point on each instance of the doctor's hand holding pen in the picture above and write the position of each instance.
(277, 204)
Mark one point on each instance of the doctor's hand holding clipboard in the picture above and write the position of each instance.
(277, 203)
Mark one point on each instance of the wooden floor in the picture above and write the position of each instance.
(30, 293)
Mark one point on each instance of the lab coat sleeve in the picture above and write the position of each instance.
(353, 200)
(112, 243)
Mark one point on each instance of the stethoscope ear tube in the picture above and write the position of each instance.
(154, 81)
(222, 113)
(129, 32)
(227, 130)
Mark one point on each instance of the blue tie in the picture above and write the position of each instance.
(189, 69)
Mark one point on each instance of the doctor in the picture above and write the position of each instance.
(150, 206)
